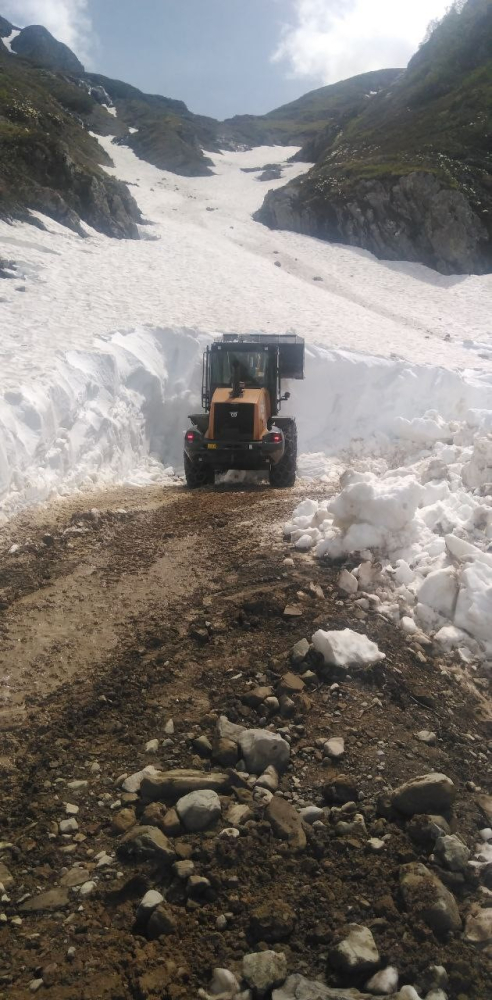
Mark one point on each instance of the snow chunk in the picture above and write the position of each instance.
(388, 504)
(344, 648)
(474, 607)
(439, 591)
(425, 430)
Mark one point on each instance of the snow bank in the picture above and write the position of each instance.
(114, 413)
(424, 530)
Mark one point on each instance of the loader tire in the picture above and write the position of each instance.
(283, 474)
(197, 475)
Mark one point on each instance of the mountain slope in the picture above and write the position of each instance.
(411, 177)
(48, 159)
(326, 109)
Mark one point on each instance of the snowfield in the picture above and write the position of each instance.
(101, 340)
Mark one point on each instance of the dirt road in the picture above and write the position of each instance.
(145, 619)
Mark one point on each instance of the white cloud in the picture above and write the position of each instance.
(68, 21)
(331, 40)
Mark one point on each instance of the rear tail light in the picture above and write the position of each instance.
(274, 437)
(191, 436)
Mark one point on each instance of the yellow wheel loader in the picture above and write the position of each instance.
(239, 427)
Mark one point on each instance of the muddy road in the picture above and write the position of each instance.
(144, 615)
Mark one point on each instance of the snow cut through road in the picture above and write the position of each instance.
(101, 353)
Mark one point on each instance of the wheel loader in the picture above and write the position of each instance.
(239, 427)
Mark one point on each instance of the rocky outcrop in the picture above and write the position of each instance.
(6, 28)
(38, 45)
(414, 217)
(410, 178)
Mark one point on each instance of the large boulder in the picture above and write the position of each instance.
(429, 793)
(260, 748)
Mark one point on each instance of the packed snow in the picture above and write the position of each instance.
(101, 340)
(11, 38)
(419, 533)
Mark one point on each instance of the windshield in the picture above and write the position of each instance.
(250, 367)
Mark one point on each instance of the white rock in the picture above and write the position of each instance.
(223, 981)
(229, 833)
(149, 902)
(152, 746)
(335, 747)
(87, 888)
(229, 730)
(133, 782)
(426, 736)
(347, 582)
(269, 779)
(69, 825)
(357, 953)
(71, 810)
(384, 982)
(312, 814)
(486, 834)
(198, 810)
(345, 648)
(169, 728)
(261, 748)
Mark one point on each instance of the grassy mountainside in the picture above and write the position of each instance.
(48, 160)
(317, 116)
(411, 177)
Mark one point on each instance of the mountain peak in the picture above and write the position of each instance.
(39, 46)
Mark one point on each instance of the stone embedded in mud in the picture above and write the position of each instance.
(53, 899)
(161, 923)
(223, 983)
(272, 922)
(290, 684)
(340, 789)
(225, 752)
(169, 786)
(256, 696)
(299, 652)
(264, 969)
(123, 821)
(75, 877)
(426, 830)
(335, 747)
(148, 904)
(147, 842)
(427, 899)
(260, 748)
(286, 822)
(429, 793)
(357, 953)
(199, 810)
(269, 779)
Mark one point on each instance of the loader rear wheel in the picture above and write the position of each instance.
(197, 475)
(283, 474)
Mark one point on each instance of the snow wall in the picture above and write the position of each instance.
(118, 412)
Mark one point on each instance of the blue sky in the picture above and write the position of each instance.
(226, 57)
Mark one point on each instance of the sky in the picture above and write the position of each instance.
(226, 57)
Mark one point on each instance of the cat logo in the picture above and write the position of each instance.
(233, 413)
